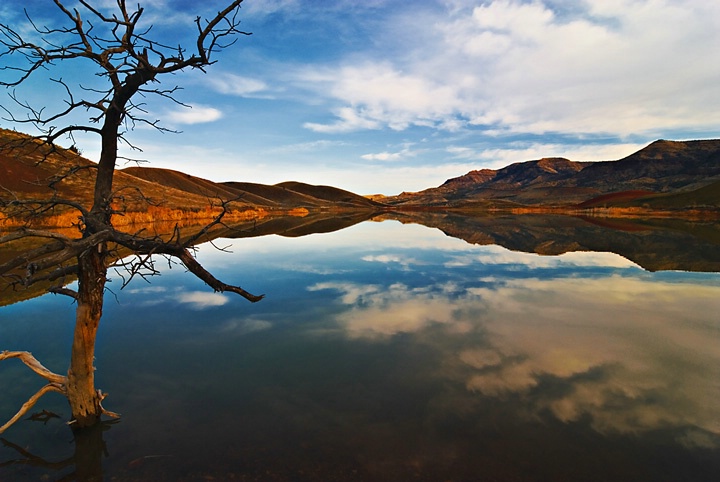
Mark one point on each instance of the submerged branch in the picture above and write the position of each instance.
(50, 387)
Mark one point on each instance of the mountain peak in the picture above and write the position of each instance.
(558, 164)
(480, 176)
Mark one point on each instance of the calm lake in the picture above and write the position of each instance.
(390, 352)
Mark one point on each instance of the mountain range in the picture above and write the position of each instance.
(663, 175)
(666, 175)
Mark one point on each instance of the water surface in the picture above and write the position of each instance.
(385, 352)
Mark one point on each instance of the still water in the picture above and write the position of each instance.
(384, 352)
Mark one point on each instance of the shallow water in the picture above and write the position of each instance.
(384, 352)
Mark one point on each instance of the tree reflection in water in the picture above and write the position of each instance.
(90, 449)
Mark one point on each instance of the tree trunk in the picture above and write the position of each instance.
(81, 393)
(84, 398)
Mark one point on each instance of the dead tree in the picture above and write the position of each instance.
(131, 63)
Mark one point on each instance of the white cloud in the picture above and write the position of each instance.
(622, 67)
(381, 312)
(349, 120)
(390, 156)
(194, 114)
(383, 156)
(534, 331)
(382, 96)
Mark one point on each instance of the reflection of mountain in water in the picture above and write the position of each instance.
(294, 226)
(13, 291)
(654, 244)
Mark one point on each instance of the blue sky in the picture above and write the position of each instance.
(384, 96)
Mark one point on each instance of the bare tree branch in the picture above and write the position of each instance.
(157, 246)
(123, 58)
(60, 290)
(34, 365)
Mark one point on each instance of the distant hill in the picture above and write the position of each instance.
(283, 195)
(662, 168)
(30, 170)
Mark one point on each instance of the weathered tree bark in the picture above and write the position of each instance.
(84, 399)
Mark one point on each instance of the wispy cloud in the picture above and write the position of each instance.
(194, 114)
(349, 120)
(390, 156)
(233, 84)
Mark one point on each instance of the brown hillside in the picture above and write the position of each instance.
(209, 191)
(183, 182)
(30, 170)
(704, 197)
(328, 193)
(275, 195)
(558, 183)
(662, 166)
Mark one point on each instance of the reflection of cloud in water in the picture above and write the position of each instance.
(633, 355)
(351, 292)
(147, 289)
(241, 326)
(651, 344)
(497, 255)
(386, 311)
(199, 300)
(404, 261)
